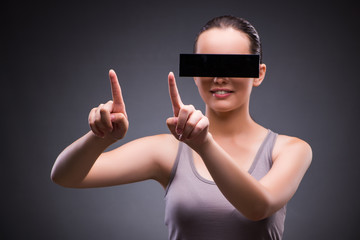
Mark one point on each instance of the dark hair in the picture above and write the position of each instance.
(238, 24)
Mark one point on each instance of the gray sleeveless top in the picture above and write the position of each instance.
(196, 209)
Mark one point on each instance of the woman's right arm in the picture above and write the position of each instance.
(75, 162)
(84, 164)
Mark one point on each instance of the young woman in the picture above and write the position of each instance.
(225, 176)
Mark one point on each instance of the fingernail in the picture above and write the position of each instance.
(180, 137)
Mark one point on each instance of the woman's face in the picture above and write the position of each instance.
(225, 94)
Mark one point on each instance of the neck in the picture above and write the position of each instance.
(233, 123)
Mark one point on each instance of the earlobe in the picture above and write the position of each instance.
(262, 72)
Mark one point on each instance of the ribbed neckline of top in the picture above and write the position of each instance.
(251, 169)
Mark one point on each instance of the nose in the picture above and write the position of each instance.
(220, 80)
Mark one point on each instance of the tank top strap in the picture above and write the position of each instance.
(197, 210)
(260, 166)
(175, 166)
(263, 159)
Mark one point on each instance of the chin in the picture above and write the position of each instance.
(222, 108)
(225, 106)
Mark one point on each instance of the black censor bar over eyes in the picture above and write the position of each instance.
(219, 65)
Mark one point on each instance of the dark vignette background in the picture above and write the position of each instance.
(55, 58)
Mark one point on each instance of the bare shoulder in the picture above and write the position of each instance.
(292, 147)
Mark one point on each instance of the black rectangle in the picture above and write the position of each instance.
(219, 65)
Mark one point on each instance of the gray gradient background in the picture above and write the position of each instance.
(55, 59)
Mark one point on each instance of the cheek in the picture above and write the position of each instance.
(203, 86)
(203, 90)
(243, 89)
(243, 84)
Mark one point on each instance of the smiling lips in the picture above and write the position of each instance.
(221, 93)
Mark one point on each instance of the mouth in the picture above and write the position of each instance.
(221, 93)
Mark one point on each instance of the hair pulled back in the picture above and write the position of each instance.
(236, 23)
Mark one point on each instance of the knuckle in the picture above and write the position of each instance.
(103, 111)
(182, 111)
(187, 109)
(97, 119)
(97, 110)
(191, 124)
(92, 111)
(109, 105)
(89, 117)
(106, 123)
(197, 129)
(198, 112)
(204, 122)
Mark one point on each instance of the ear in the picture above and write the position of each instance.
(262, 72)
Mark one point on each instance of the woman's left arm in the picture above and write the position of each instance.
(254, 199)
(258, 199)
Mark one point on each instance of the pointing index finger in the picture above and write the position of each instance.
(118, 102)
(174, 94)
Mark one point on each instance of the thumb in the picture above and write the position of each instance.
(120, 125)
(171, 122)
(117, 117)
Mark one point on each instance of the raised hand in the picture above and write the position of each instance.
(109, 120)
(187, 124)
